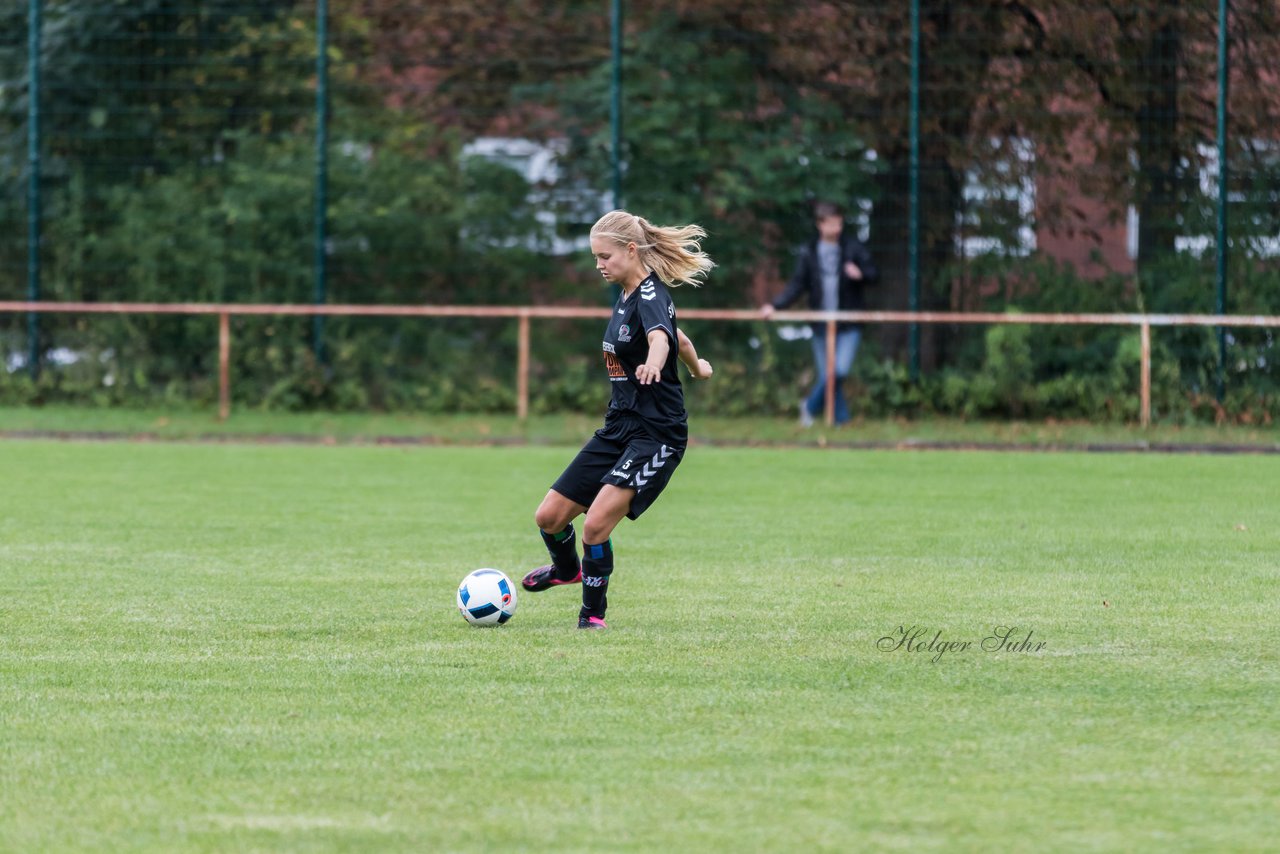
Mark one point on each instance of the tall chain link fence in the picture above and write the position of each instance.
(1031, 155)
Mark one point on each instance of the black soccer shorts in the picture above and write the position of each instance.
(625, 455)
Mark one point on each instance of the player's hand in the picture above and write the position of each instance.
(647, 373)
(853, 271)
(766, 310)
(704, 371)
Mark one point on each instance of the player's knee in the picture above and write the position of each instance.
(599, 524)
(594, 531)
(545, 519)
(551, 516)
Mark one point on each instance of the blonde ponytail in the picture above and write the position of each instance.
(673, 252)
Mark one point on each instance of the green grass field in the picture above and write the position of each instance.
(213, 647)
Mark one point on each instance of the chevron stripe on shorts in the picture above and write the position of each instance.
(649, 469)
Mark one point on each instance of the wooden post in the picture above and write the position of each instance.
(224, 366)
(1145, 416)
(830, 403)
(522, 368)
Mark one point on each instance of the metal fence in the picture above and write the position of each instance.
(523, 315)
(387, 152)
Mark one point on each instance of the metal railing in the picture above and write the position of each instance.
(525, 314)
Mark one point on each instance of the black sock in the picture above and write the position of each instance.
(597, 566)
(563, 548)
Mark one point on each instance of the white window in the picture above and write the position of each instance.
(1252, 217)
(554, 203)
(998, 207)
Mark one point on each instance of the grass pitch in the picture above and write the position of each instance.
(238, 647)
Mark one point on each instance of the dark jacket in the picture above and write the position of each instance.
(807, 279)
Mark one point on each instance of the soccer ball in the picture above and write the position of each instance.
(486, 597)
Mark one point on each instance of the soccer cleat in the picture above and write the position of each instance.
(592, 623)
(544, 577)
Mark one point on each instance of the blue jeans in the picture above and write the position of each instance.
(846, 349)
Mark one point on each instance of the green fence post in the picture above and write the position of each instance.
(33, 184)
(615, 104)
(322, 173)
(913, 216)
(1221, 307)
(615, 117)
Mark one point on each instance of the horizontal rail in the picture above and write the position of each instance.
(287, 309)
(224, 311)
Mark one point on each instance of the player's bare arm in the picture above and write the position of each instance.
(699, 369)
(659, 347)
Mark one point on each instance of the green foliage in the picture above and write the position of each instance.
(406, 226)
(193, 74)
(1090, 372)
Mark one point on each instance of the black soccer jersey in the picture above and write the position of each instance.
(626, 346)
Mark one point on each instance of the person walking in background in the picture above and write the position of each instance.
(832, 271)
(624, 467)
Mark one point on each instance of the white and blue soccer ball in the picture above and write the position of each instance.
(486, 597)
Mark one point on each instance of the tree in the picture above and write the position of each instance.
(857, 57)
(712, 137)
(457, 64)
(712, 133)
(135, 91)
(1149, 70)
(141, 86)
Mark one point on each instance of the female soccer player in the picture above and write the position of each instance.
(625, 466)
